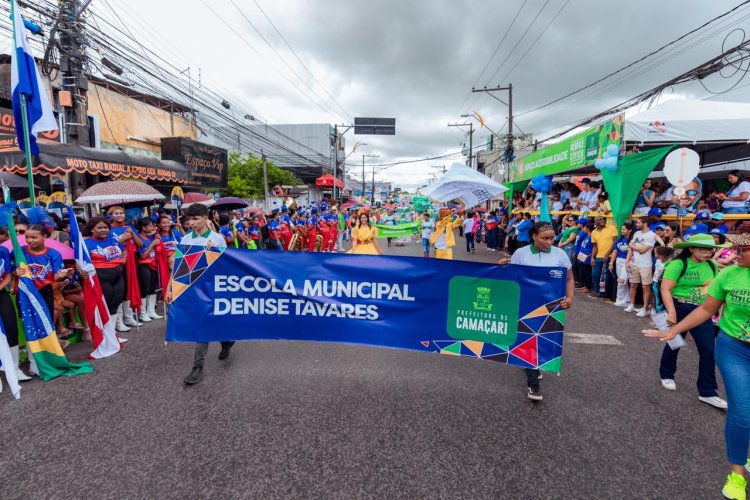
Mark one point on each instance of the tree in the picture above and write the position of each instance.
(245, 176)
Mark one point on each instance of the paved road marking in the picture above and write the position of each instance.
(591, 338)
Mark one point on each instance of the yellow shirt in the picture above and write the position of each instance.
(603, 239)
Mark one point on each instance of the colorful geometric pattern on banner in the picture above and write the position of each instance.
(509, 314)
(189, 264)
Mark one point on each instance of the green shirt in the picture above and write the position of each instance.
(567, 232)
(692, 287)
(733, 287)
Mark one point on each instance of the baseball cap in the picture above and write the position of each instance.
(656, 212)
(582, 220)
(697, 228)
(703, 214)
(717, 216)
(658, 225)
(585, 180)
(720, 230)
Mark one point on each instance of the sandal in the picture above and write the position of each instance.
(75, 326)
(63, 343)
(64, 333)
(86, 337)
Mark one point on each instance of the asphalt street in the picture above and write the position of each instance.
(298, 420)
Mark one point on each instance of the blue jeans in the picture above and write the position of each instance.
(469, 241)
(596, 274)
(703, 335)
(426, 246)
(492, 238)
(733, 359)
(735, 210)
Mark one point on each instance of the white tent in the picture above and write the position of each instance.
(689, 121)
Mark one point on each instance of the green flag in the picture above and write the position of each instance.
(623, 185)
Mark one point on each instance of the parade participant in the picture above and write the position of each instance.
(312, 229)
(468, 226)
(170, 237)
(365, 237)
(324, 229)
(443, 237)
(108, 260)
(225, 229)
(7, 310)
(543, 253)
(341, 229)
(617, 264)
(285, 228)
(683, 290)
(428, 226)
(253, 233)
(333, 222)
(641, 273)
(45, 265)
(148, 276)
(202, 235)
(130, 245)
(274, 233)
(730, 289)
(389, 219)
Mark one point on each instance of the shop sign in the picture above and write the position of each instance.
(206, 164)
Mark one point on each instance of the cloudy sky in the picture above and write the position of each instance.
(417, 61)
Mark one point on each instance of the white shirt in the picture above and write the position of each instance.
(658, 270)
(468, 225)
(191, 238)
(528, 256)
(427, 228)
(643, 239)
(744, 187)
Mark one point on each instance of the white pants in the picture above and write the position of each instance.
(623, 289)
(340, 240)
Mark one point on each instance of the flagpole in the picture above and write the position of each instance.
(25, 119)
(29, 172)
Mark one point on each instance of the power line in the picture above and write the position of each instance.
(654, 52)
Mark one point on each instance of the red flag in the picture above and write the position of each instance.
(162, 263)
(131, 275)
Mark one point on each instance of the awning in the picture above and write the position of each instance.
(328, 180)
(60, 159)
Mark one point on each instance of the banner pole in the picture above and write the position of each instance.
(25, 119)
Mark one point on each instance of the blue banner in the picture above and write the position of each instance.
(508, 314)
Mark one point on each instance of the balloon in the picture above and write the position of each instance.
(613, 150)
(600, 163)
(610, 164)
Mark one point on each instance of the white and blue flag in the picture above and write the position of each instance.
(25, 80)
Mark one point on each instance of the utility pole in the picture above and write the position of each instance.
(471, 134)
(265, 181)
(509, 148)
(363, 175)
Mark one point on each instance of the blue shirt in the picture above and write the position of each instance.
(117, 232)
(621, 245)
(171, 240)
(226, 231)
(142, 251)
(105, 253)
(43, 267)
(522, 230)
(5, 263)
(586, 249)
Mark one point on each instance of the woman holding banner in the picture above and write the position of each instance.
(365, 237)
(542, 253)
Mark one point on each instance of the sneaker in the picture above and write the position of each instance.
(630, 308)
(653, 313)
(669, 384)
(642, 313)
(224, 354)
(121, 339)
(534, 393)
(735, 487)
(541, 375)
(714, 401)
(195, 376)
(621, 304)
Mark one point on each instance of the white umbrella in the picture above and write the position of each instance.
(121, 191)
(469, 186)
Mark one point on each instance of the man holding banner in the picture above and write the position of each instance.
(201, 235)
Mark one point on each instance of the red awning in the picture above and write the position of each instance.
(328, 180)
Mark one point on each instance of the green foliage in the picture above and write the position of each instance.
(245, 176)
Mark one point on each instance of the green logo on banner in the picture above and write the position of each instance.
(592, 146)
(483, 309)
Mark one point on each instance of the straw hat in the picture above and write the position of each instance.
(701, 241)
